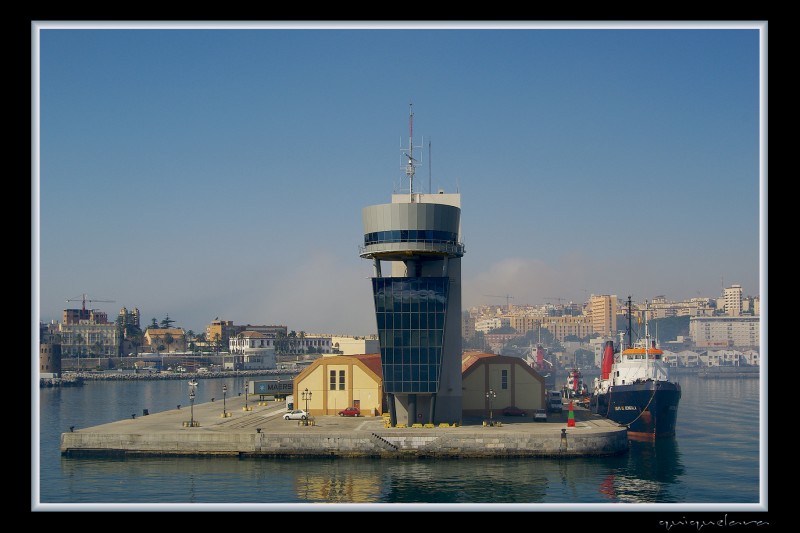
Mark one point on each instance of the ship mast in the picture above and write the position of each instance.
(646, 343)
(630, 324)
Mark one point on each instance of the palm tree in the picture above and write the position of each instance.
(280, 343)
(168, 340)
(78, 340)
(136, 340)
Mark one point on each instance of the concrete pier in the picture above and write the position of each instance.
(260, 430)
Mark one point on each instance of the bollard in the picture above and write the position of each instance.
(71, 429)
(133, 416)
(179, 406)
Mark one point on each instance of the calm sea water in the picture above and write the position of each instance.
(714, 460)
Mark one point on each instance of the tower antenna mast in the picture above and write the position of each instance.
(411, 163)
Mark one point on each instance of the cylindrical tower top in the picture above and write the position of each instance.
(395, 231)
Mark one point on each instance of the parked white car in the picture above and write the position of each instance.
(297, 414)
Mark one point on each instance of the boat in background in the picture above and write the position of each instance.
(542, 366)
(575, 387)
(634, 389)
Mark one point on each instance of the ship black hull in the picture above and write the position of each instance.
(648, 408)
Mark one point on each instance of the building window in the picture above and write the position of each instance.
(333, 380)
(504, 379)
(341, 379)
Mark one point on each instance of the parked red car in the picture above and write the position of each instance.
(350, 411)
(513, 411)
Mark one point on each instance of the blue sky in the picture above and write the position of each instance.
(220, 171)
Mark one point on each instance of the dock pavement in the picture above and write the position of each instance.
(257, 428)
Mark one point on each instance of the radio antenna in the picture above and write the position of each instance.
(411, 163)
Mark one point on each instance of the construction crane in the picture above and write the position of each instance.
(82, 298)
(507, 297)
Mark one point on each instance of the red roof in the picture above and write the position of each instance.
(371, 361)
(470, 358)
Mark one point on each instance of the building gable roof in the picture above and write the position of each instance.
(471, 361)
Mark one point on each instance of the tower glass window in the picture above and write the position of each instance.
(410, 314)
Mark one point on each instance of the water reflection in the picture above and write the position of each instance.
(648, 474)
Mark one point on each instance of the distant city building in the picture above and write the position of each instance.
(562, 327)
(603, 313)
(467, 325)
(355, 345)
(497, 341)
(523, 323)
(269, 331)
(89, 338)
(311, 344)
(220, 331)
(733, 300)
(251, 350)
(49, 360)
(164, 339)
(132, 318)
(83, 316)
(488, 324)
(724, 331)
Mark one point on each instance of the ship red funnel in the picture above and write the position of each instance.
(608, 359)
(539, 357)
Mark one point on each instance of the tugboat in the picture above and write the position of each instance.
(542, 366)
(575, 387)
(634, 389)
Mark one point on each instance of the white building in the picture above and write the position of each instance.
(725, 331)
(356, 345)
(733, 300)
(723, 358)
(488, 324)
(251, 350)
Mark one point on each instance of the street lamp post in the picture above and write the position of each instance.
(306, 397)
(246, 386)
(191, 402)
(490, 395)
(224, 394)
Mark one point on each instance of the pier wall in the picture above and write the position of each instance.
(391, 443)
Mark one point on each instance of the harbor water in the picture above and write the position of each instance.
(715, 460)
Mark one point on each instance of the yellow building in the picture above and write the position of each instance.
(330, 384)
(510, 381)
(172, 339)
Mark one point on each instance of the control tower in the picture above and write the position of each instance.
(417, 299)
